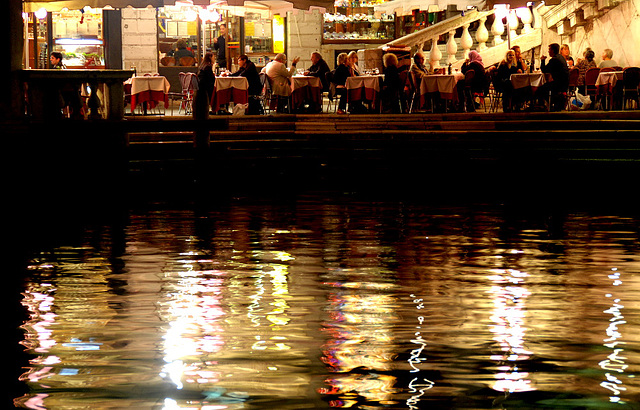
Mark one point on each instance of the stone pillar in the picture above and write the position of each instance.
(304, 32)
(526, 17)
(140, 40)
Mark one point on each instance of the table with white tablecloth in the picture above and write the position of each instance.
(364, 88)
(306, 89)
(230, 89)
(443, 86)
(148, 90)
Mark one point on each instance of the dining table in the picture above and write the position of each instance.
(306, 89)
(147, 90)
(364, 88)
(443, 86)
(230, 89)
(606, 84)
(525, 86)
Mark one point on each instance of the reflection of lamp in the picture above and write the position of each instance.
(41, 13)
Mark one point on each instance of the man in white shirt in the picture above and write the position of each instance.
(279, 78)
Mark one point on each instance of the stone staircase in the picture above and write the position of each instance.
(468, 31)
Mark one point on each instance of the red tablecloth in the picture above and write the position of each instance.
(307, 89)
(230, 89)
(364, 88)
(149, 89)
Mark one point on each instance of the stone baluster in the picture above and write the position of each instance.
(452, 47)
(435, 54)
(466, 41)
(512, 21)
(482, 35)
(497, 29)
(526, 17)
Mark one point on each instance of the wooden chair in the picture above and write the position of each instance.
(470, 93)
(187, 61)
(332, 93)
(590, 88)
(574, 73)
(168, 61)
(414, 90)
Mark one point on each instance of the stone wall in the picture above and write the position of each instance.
(304, 36)
(140, 40)
(616, 27)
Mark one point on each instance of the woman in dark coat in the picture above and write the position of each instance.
(479, 82)
(206, 80)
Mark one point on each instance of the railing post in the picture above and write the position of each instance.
(497, 29)
(512, 21)
(435, 54)
(526, 17)
(466, 41)
(482, 35)
(452, 47)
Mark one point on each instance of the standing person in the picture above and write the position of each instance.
(607, 61)
(220, 46)
(319, 68)
(279, 77)
(206, 81)
(557, 68)
(56, 61)
(249, 71)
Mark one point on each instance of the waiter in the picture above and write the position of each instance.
(220, 45)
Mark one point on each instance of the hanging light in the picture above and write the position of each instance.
(191, 15)
(41, 13)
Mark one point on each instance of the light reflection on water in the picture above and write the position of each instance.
(315, 304)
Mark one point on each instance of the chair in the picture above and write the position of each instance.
(630, 82)
(495, 91)
(332, 93)
(187, 61)
(590, 78)
(574, 73)
(189, 84)
(168, 61)
(470, 93)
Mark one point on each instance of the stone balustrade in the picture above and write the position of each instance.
(44, 89)
(519, 29)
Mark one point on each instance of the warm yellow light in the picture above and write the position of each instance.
(41, 13)
(278, 34)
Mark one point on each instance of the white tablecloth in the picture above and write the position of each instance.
(364, 81)
(439, 83)
(609, 77)
(148, 83)
(522, 80)
(239, 83)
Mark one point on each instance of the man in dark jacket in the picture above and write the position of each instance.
(320, 68)
(250, 72)
(219, 45)
(557, 68)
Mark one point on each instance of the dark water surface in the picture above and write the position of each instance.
(291, 297)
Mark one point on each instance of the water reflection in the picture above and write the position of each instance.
(338, 305)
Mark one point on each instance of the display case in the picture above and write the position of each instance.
(80, 52)
(356, 22)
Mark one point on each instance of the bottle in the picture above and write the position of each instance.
(449, 71)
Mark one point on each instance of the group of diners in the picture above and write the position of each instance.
(395, 85)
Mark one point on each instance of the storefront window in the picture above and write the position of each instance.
(177, 26)
(78, 36)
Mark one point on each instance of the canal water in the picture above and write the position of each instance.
(478, 296)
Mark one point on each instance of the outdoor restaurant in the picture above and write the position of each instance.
(371, 57)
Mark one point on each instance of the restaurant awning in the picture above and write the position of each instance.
(57, 5)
